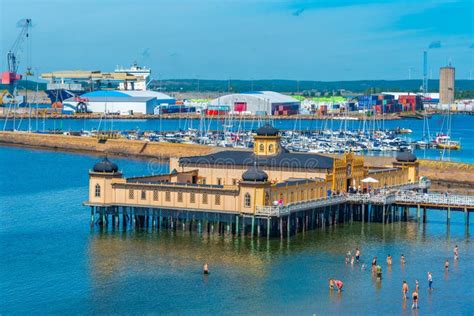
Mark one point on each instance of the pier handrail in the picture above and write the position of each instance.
(435, 199)
(282, 210)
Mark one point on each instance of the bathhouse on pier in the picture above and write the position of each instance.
(238, 183)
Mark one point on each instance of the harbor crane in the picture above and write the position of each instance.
(11, 76)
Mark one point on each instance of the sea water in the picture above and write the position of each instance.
(53, 262)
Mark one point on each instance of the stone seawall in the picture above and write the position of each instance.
(123, 147)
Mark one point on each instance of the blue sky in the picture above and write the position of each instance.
(248, 39)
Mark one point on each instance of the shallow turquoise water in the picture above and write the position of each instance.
(52, 262)
(462, 129)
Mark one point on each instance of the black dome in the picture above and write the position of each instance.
(406, 156)
(105, 166)
(254, 174)
(267, 130)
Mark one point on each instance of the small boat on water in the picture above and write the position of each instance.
(444, 141)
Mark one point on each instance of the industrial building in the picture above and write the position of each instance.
(446, 85)
(119, 102)
(258, 103)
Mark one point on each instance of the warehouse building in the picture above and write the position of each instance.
(258, 103)
(119, 102)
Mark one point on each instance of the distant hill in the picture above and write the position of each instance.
(286, 86)
(292, 86)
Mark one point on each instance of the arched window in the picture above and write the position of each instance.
(267, 198)
(247, 200)
(97, 190)
(261, 148)
(270, 148)
(143, 195)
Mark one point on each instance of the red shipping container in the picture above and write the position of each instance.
(240, 106)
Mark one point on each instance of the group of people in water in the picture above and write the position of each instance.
(377, 271)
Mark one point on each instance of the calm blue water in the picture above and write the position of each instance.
(51, 262)
(462, 129)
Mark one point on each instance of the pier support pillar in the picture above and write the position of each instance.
(281, 228)
(363, 212)
(424, 214)
(92, 215)
(383, 214)
(448, 215)
(253, 225)
(288, 226)
(466, 217)
(418, 213)
(237, 225)
(268, 227)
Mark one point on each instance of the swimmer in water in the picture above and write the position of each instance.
(352, 260)
(331, 284)
(446, 265)
(379, 272)
(417, 286)
(357, 254)
(405, 290)
(430, 281)
(389, 260)
(414, 296)
(205, 268)
(456, 253)
(339, 284)
(402, 259)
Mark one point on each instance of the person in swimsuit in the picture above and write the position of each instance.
(339, 284)
(430, 281)
(402, 259)
(357, 254)
(379, 272)
(414, 296)
(417, 286)
(205, 268)
(456, 253)
(352, 260)
(389, 260)
(405, 290)
(446, 265)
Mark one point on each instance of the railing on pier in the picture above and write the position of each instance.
(371, 198)
(282, 210)
(435, 199)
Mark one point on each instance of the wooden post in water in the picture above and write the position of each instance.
(363, 213)
(448, 219)
(268, 227)
(253, 225)
(92, 215)
(288, 225)
(418, 213)
(237, 225)
(281, 228)
(466, 217)
(424, 214)
(383, 213)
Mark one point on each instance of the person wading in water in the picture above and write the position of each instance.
(405, 290)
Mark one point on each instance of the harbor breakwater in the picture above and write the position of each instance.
(122, 147)
(445, 176)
